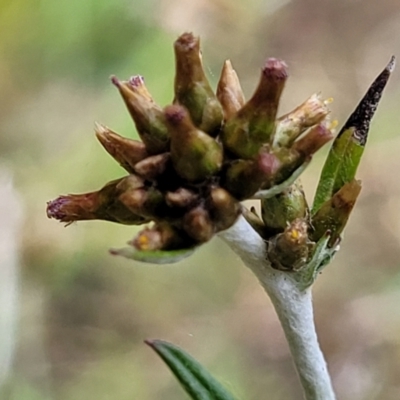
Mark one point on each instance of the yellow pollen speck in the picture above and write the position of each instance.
(294, 233)
(143, 242)
(333, 124)
(328, 101)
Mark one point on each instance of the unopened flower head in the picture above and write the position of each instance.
(203, 154)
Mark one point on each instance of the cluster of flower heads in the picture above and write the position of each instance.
(202, 155)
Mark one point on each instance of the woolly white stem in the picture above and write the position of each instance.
(293, 306)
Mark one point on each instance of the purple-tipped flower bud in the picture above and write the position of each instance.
(290, 126)
(289, 250)
(103, 204)
(300, 153)
(310, 143)
(195, 155)
(243, 178)
(229, 91)
(332, 216)
(192, 89)
(126, 152)
(198, 225)
(152, 167)
(254, 124)
(279, 211)
(147, 115)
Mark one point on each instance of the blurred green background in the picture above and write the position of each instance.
(72, 317)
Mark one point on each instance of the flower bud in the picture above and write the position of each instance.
(152, 167)
(103, 204)
(161, 236)
(198, 225)
(310, 143)
(147, 115)
(192, 89)
(126, 152)
(279, 211)
(254, 124)
(332, 216)
(289, 250)
(224, 209)
(243, 178)
(195, 155)
(229, 91)
(300, 153)
(181, 198)
(148, 202)
(290, 126)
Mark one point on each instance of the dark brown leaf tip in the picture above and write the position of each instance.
(362, 116)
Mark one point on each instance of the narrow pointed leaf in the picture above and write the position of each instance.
(154, 256)
(274, 190)
(348, 147)
(194, 378)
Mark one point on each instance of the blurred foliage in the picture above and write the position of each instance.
(84, 314)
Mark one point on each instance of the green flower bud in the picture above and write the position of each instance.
(195, 155)
(224, 209)
(152, 167)
(243, 178)
(229, 91)
(192, 89)
(332, 216)
(254, 124)
(147, 115)
(311, 142)
(289, 250)
(126, 152)
(279, 211)
(103, 204)
(198, 225)
(148, 202)
(290, 126)
(300, 153)
(161, 236)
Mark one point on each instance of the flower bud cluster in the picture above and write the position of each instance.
(202, 155)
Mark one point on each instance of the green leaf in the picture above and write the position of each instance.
(154, 257)
(277, 189)
(348, 147)
(322, 256)
(194, 378)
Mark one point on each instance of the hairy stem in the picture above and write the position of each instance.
(293, 306)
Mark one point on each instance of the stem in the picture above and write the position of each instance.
(293, 306)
